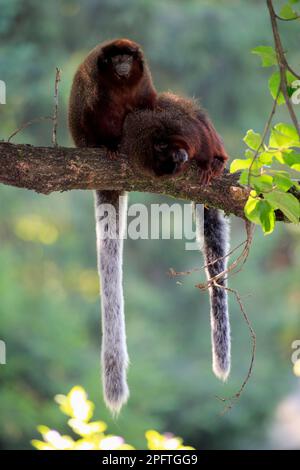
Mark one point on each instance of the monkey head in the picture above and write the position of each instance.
(121, 62)
(169, 155)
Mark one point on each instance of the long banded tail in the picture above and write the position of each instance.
(110, 211)
(215, 245)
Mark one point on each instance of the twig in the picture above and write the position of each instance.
(55, 112)
(241, 259)
(28, 123)
(282, 63)
(266, 130)
(213, 281)
(237, 395)
(173, 273)
(291, 70)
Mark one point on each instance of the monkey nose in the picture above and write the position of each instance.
(122, 64)
(180, 156)
(123, 69)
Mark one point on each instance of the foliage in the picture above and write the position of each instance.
(92, 433)
(269, 168)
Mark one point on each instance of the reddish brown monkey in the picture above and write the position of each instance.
(166, 139)
(113, 82)
(163, 142)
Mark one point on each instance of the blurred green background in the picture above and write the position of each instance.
(49, 306)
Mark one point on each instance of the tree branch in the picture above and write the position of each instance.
(47, 169)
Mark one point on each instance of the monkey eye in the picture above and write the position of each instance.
(160, 146)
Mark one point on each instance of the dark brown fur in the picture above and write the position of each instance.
(153, 138)
(99, 101)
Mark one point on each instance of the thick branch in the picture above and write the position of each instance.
(45, 170)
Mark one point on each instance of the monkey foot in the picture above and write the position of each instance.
(112, 154)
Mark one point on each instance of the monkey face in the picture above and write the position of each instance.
(169, 157)
(121, 60)
(122, 65)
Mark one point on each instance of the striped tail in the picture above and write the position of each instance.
(110, 211)
(215, 245)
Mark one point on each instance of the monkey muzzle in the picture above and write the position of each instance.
(180, 156)
(122, 65)
(169, 161)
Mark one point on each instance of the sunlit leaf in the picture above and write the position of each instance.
(76, 404)
(267, 55)
(252, 139)
(266, 158)
(55, 439)
(274, 82)
(260, 212)
(92, 433)
(239, 164)
(267, 217)
(85, 429)
(284, 136)
(41, 445)
(287, 203)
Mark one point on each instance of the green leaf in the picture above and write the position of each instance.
(274, 82)
(260, 212)
(244, 177)
(296, 166)
(252, 139)
(291, 158)
(240, 164)
(249, 153)
(282, 180)
(284, 136)
(262, 183)
(250, 209)
(287, 203)
(287, 12)
(266, 216)
(267, 55)
(266, 158)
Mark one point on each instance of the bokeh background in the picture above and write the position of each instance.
(49, 306)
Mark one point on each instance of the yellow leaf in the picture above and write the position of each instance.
(41, 445)
(76, 404)
(85, 429)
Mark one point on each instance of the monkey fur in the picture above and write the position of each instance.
(113, 85)
(113, 80)
(163, 142)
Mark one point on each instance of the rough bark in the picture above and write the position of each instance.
(45, 170)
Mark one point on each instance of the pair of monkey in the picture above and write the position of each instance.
(113, 103)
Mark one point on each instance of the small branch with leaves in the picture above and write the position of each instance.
(270, 169)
